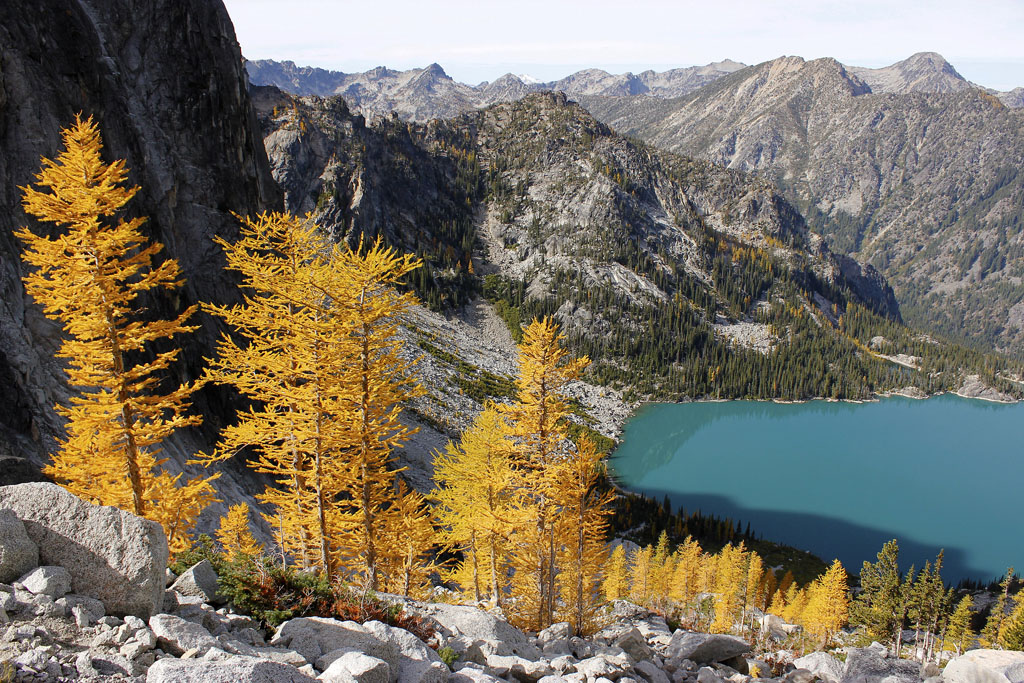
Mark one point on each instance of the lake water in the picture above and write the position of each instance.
(841, 479)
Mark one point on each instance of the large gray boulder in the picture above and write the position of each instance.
(870, 665)
(418, 663)
(705, 648)
(112, 555)
(199, 581)
(322, 640)
(986, 666)
(823, 665)
(175, 635)
(18, 552)
(470, 625)
(231, 670)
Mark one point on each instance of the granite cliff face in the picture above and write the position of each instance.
(923, 185)
(166, 83)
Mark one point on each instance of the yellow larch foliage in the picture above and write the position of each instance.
(686, 580)
(289, 363)
(827, 604)
(662, 569)
(321, 360)
(730, 583)
(538, 436)
(616, 582)
(769, 585)
(234, 535)
(377, 382)
(640, 575)
(754, 595)
(796, 603)
(407, 541)
(475, 481)
(779, 598)
(581, 529)
(89, 277)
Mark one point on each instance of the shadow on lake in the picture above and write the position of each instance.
(826, 537)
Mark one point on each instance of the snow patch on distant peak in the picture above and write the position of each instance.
(528, 79)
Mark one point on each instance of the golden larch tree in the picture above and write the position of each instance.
(686, 583)
(581, 529)
(408, 539)
(235, 536)
(616, 581)
(959, 634)
(828, 604)
(89, 278)
(286, 356)
(536, 427)
(640, 574)
(730, 583)
(475, 480)
(378, 381)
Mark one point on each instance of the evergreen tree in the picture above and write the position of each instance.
(992, 634)
(90, 278)
(877, 606)
(1013, 629)
(959, 633)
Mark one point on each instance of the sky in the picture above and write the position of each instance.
(480, 40)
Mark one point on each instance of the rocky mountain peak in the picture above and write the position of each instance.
(921, 72)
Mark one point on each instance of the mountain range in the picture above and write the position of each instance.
(430, 93)
(910, 167)
(924, 185)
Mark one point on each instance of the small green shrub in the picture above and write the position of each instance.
(448, 656)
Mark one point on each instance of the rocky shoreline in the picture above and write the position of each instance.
(93, 602)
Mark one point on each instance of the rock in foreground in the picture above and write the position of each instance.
(112, 555)
(986, 666)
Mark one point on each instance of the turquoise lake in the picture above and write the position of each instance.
(841, 479)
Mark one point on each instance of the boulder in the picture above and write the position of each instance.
(111, 555)
(176, 636)
(560, 631)
(231, 670)
(598, 667)
(823, 665)
(635, 645)
(357, 667)
(518, 668)
(472, 624)
(870, 665)
(986, 666)
(473, 676)
(18, 552)
(418, 663)
(52, 581)
(649, 671)
(705, 648)
(199, 581)
(322, 640)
